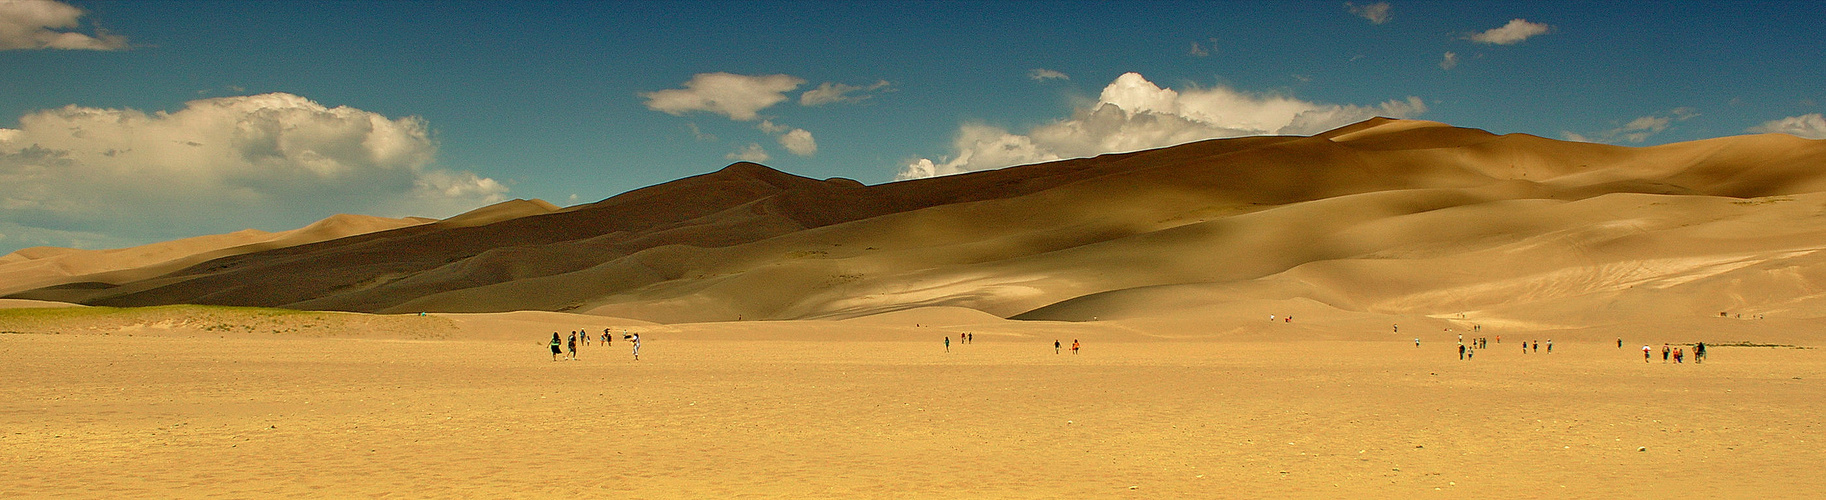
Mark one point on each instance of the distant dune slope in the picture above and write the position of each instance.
(1381, 217)
(47, 266)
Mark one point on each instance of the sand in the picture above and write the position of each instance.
(109, 405)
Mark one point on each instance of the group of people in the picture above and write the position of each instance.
(559, 345)
(967, 337)
(1469, 351)
(1679, 354)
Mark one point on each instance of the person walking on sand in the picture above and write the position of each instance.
(1055, 346)
(1074, 346)
(557, 346)
(1699, 352)
(1461, 352)
(1619, 342)
(1679, 356)
(573, 344)
(1537, 346)
(1645, 351)
(947, 343)
(1665, 351)
(1549, 346)
(607, 339)
(636, 340)
(1416, 342)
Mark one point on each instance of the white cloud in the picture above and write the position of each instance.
(1376, 13)
(1512, 33)
(274, 161)
(737, 96)
(829, 92)
(1042, 74)
(799, 142)
(1808, 126)
(753, 152)
(1450, 61)
(33, 24)
(1133, 113)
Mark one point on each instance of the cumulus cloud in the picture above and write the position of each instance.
(1808, 126)
(1449, 61)
(35, 24)
(753, 152)
(1133, 113)
(274, 161)
(829, 92)
(1376, 13)
(1510, 34)
(799, 142)
(738, 97)
(1043, 74)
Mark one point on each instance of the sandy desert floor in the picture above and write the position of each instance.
(860, 409)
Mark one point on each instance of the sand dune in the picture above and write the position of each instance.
(1397, 218)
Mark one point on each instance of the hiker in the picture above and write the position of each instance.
(1699, 352)
(1055, 346)
(557, 346)
(636, 341)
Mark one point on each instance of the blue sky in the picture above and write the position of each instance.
(125, 123)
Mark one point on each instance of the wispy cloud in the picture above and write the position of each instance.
(1199, 51)
(1807, 126)
(829, 92)
(1510, 34)
(1449, 61)
(1133, 113)
(738, 97)
(35, 24)
(1376, 13)
(1042, 74)
(1637, 130)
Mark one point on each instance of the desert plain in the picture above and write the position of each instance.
(1258, 317)
(198, 402)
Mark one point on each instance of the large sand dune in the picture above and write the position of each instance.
(1384, 217)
